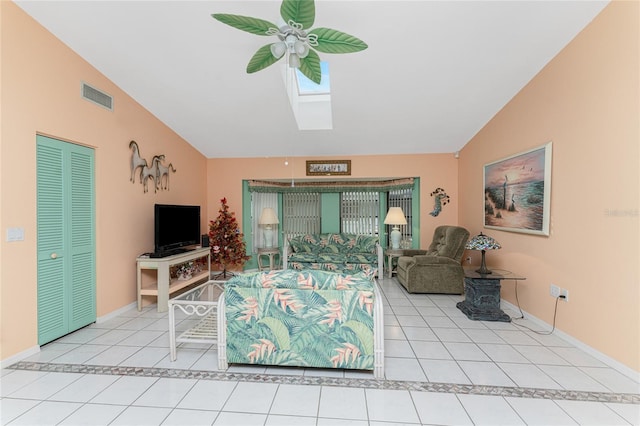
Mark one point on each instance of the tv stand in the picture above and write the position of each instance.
(167, 253)
(165, 286)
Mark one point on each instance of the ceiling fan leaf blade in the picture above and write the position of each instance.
(310, 67)
(333, 41)
(246, 23)
(261, 59)
(300, 11)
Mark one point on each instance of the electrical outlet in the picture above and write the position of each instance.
(469, 260)
(564, 292)
(554, 290)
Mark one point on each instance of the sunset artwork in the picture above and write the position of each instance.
(517, 192)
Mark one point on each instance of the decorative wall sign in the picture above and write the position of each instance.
(328, 168)
(517, 192)
(441, 199)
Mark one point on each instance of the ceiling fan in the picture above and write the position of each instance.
(296, 41)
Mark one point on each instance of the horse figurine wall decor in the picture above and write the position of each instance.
(137, 162)
(156, 172)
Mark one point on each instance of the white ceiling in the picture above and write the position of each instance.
(434, 74)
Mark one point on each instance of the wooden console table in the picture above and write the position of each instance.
(482, 294)
(164, 285)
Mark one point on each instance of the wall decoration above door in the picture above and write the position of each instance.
(517, 192)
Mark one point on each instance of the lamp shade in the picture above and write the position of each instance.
(268, 217)
(395, 216)
(482, 242)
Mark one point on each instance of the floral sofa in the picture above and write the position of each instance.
(343, 253)
(306, 318)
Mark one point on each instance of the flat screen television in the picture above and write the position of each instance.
(176, 227)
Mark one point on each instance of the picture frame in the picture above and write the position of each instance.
(329, 168)
(517, 192)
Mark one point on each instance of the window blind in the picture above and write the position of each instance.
(359, 212)
(300, 213)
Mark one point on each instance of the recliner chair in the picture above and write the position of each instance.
(438, 269)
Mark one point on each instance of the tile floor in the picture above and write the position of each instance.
(440, 369)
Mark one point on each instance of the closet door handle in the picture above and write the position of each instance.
(54, 255)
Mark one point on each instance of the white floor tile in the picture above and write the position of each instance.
(629, 412)
(45, 386)
(165, 392)
(489, 410)
(125, 390)
(145, 357)
(528, 376)
(18, 379)
(324, 372)
(240, 419)
(404, 310)
(572, 378)
(411, 321)
(277, 420)
(483, 336)
(208, 395)
(516, 337)
(112, 337)
(47, 413)
(430, 311)
(441, 322)
(180, 417)
(542, 412)
(398, 349)
(185, 358)
(403, 369)
(250, 397)
(84, 389)
(451, 335)
(139, 323)
(591, 413)
(485, 373)
(113, 355)
(440, 409)
(342, 403)
(420, 333)
(84, 335)
(141, 338)
(502, 353)
(11, 408)
(612, 379)
(341, 422)
(394, 332)
(444, 371)
(296, 400)
(390, 406)
(94, 415)
(81, 354)
(578, 357)
(141, 416)
(430, 350)
(466, 351)
(207, 362)
(540, 355)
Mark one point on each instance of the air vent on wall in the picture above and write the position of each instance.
(97, 97)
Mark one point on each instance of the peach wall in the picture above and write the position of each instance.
(434, 170)
(40, 85)
(586, 102)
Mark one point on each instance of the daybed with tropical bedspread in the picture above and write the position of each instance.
(343, 253)
(306, 318)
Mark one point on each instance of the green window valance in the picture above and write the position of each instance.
(330, 185)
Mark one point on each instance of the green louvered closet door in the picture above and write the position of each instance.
(66, 238)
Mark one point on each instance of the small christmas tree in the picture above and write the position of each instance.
(226, 240)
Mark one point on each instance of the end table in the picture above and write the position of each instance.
(391, 254)
(272, 252)
(482, 294)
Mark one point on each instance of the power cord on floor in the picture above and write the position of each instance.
(555, 311)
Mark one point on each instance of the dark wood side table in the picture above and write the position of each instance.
(482, 294)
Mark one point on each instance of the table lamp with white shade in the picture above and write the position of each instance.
(395, 217)
(267, 219)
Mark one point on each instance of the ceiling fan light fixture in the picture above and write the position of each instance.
(294, 60)
(278, 49)
(301, 49)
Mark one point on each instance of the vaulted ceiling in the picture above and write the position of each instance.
(434, 74)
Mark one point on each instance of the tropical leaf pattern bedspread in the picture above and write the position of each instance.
(304, 318)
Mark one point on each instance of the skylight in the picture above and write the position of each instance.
(308, 87)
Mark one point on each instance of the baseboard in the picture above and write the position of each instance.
(616, 365)
(117, 312)
(19, 356)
